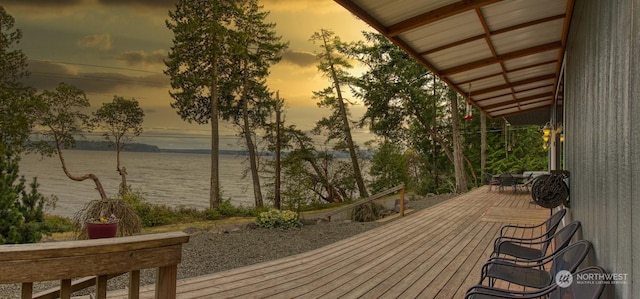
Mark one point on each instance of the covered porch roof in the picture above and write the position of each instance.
(505, 57)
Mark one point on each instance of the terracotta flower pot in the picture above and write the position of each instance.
(101, 230)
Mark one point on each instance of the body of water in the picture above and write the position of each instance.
(174, 179)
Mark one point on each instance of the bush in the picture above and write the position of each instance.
(58, 224)
(367, 212)
(227, 209)
(278, 219)
(21, 208)
(156, 215)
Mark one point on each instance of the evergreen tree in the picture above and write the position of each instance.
(255, 48)
(333, 65)
(199, 67)
(21, 215)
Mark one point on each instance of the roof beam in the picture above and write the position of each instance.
(546, 95)
(436, 15)
(514, 84)
(362, 14)
(479, 101)
(500, 58)
(492, 33)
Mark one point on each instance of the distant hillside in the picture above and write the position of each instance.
(108, 146)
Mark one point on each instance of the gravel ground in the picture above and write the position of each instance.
(233, 247)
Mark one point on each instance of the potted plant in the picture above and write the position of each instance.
(103, 227)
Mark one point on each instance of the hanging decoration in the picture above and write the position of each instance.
(469, 114)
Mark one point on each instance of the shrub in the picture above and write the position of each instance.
(156, 215)
(227, 209)
(367, 212)
(278, 219)
(58, 224)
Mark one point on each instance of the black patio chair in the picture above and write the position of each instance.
(507, 180)
(527, 249)
(491, 181)
(532, 274)
(526, 181)
(550, 226)
(576, 290)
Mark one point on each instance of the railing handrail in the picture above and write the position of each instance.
(28, 263)
(369, 199)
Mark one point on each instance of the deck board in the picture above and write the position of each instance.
(432, 253)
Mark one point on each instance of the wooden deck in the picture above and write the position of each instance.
(432, 253)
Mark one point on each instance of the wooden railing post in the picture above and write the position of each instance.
(101, 287)
(27, 290)
(166, 282)
(134, 284)
(402, 201)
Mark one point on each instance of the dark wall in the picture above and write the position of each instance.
(602, 129)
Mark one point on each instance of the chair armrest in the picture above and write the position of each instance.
(501, 293)
(518, 227)
(524, 262)
(512, 239)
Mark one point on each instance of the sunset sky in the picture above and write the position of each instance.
(117, 47)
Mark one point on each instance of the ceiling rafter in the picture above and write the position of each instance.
(545, 95)
(517, 92)
(507, 56)
(513, 84)
(436, 15)
(523, 65)
(522, 68)
(493, 33)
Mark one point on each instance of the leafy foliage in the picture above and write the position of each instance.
(367, 212)
(121, 120)
(278, 219)
(128, 220)
(16, 99)
(389, 167)
(21, 211)
(333, 64)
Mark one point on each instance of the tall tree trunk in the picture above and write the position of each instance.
(246, 128)
(458, 157)
(122, 171)
(483, 145)
(333, 194)
(96, 181)
(214, 190)
(362, 189)
(277, 170)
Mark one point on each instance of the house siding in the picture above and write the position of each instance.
(602, 137)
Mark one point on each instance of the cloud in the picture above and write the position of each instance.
(303, 59)
(101, 42)
(319, 6)
(135, 58)
(43, 2)
(47, 75)
(152, 3)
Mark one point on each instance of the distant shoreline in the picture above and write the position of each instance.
(148, 148)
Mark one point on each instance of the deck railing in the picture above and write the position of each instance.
(102, 258)
(370, 199)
